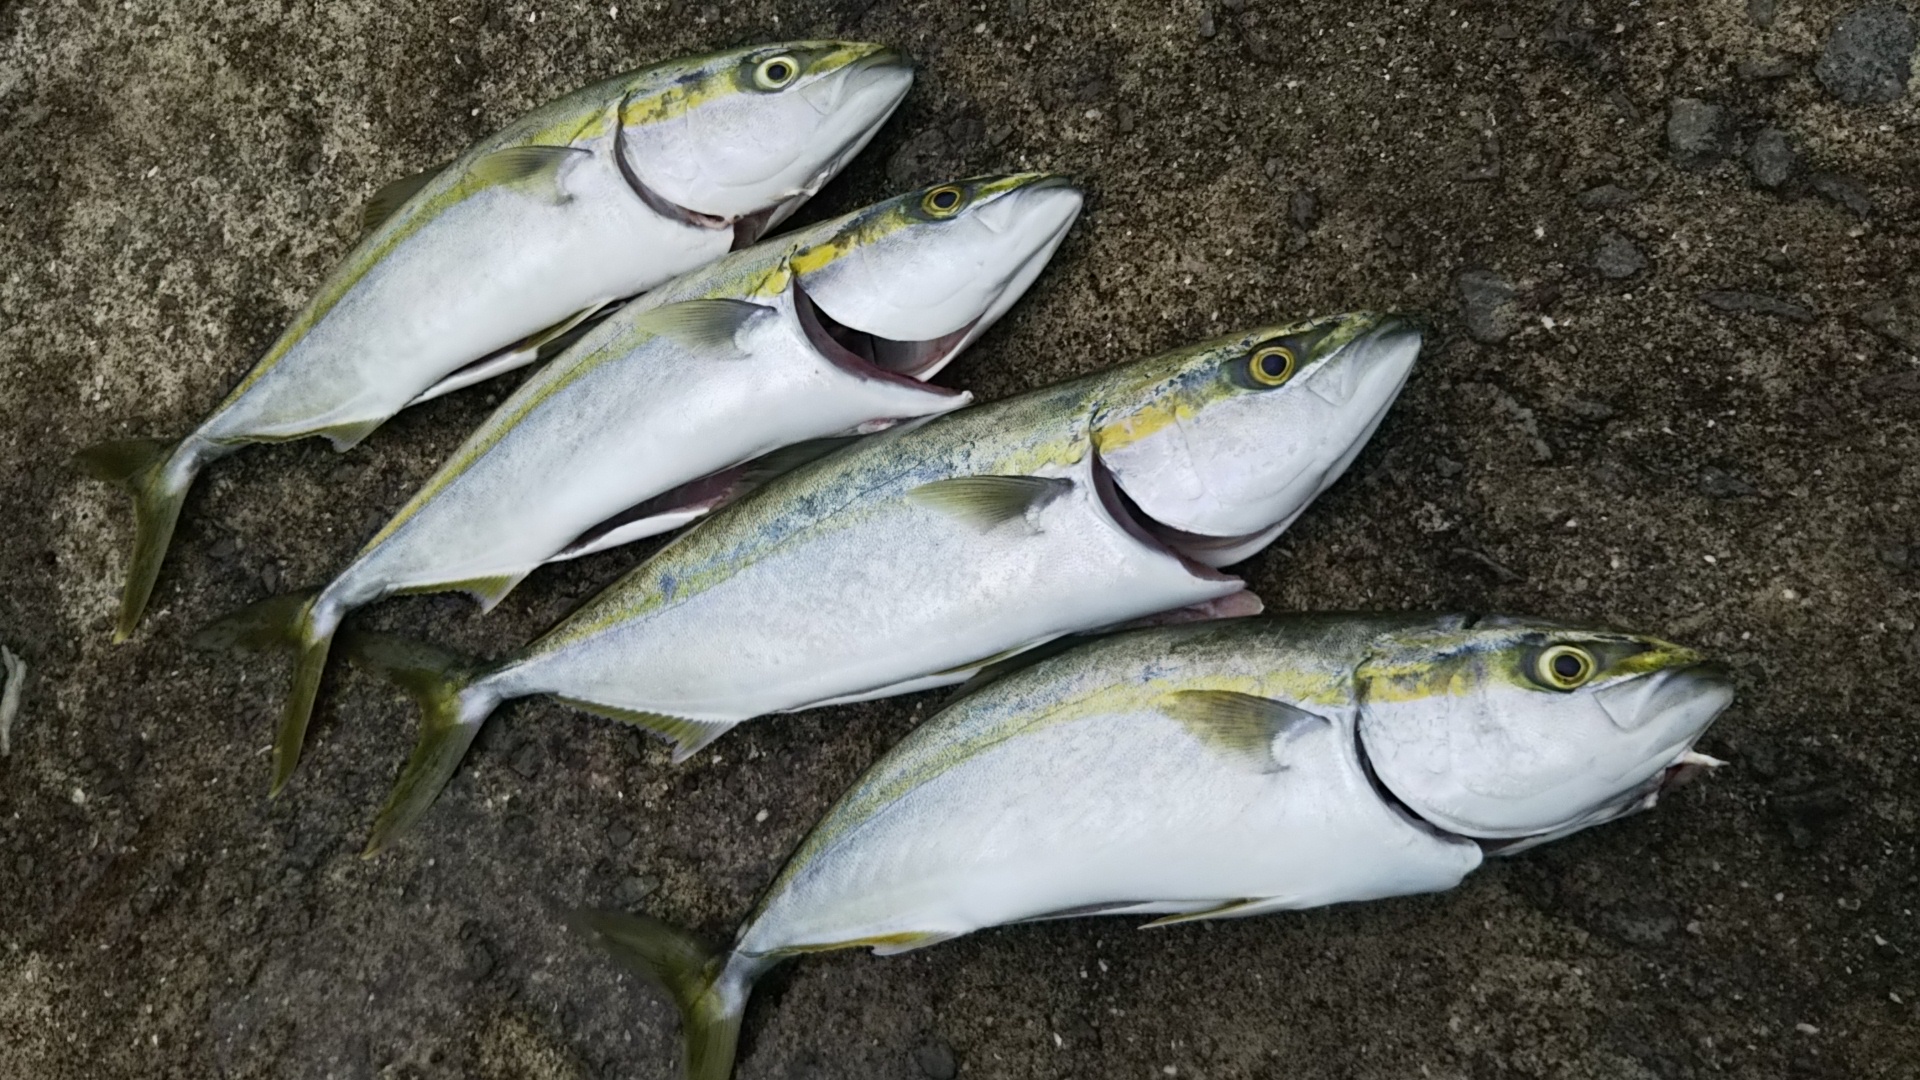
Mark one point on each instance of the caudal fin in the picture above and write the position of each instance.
(281, 622)
(710, 989)
(437, 679)
(142, 466)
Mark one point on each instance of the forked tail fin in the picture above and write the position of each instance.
(440, 681)
(147, 468)
(709, 988)
(281, 622)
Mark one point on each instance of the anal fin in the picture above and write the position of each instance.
(688, 736)
(1231, 909)
(487, 591)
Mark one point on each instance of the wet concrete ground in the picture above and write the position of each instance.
(1663, 394)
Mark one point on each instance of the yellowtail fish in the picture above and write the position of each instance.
(689, 396)
(914, 558)
(1212, 771)
(468, 269)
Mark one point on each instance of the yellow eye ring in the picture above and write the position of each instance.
(1564, 667)
(1271, 366)
(942, 201)
(775, 72)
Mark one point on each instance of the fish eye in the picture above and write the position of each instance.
(942, 201)
(1271, 366)
(1564, 667)
(775, 72)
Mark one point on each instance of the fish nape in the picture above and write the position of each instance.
(1209, 771)
(916, 558)
(471, 269)
(688, 398)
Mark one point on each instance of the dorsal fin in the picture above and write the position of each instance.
(988, 500)
(1238, 726)
(392, 197)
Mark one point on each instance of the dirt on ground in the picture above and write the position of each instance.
(1672, 254)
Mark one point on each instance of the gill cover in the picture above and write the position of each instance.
(1238, 443)
(1521, 731)
(760, 128)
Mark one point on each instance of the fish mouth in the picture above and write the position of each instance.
(870, 356)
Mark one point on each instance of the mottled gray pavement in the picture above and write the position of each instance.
(1674, 398)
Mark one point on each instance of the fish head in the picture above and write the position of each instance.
(1232, 439)
(1514, 733)
(753, 133)
(912, 280)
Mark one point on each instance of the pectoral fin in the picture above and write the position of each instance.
(535, 168)
(988, 500)
(1241, 727)
(388, 200)
(701, 324)
(687, 735)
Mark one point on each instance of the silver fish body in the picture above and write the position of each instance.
(1214, 770)
(538, 226)
(915, 558)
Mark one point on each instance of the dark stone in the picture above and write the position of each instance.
(1771, 158)
(1604, 197)
(1617, 258)
(1304, 208)
(1699, 135)
(1447, 468)
(1762, 12)
(225, 548)
(1869, 55)
(1123, 117)
(477, 961)
(918, 159)
(1765, 70)
(1810, 815)
(619, 836)
(935, 1059)
(1486, 303)
(270, 577)
(1843, 192)
(1898, 556)
(1892, 384)
(635, 888)
(1587, 409)
(1720, 484)
(1206, 22)
(1896, 320)
(1752, 303)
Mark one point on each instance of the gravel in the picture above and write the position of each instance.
(1604, 197)
(1869, 55)
(1843, 191)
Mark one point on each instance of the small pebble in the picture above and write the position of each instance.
(1447, 468)
(1206, 22)
(1762, 12)
(635, 888)
(619, 836)
(270, 577)
(1617, 257)
(935, 1059)
(1486, 303)
(1896, 320)
(526, 760)
(1751, 303)
(1720, 484)
(1765, 70)
(1304, 208)
(1805, 1028)
(1771, 158)
(1604, 197)
(1698, 133)
(1869, 54)
(1843, 192)
(1587, 409)
(225, 548)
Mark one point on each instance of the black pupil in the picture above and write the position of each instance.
(1273, 365)
(944, 200)
(777, 71)
(1567, 666)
